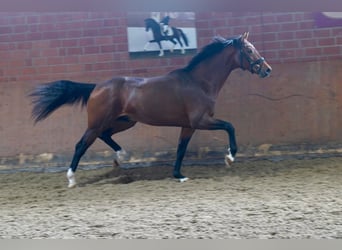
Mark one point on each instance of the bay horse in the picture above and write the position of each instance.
(183, 98)
(159, 35)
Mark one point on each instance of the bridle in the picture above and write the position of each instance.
(259, 62)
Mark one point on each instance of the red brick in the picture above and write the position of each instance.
(94, 24)
(284, 18)
(105, 57)
(20, 28)
(55, 60)
(339, 40)
(287, 35)
(272, 45)
(202, 24)
(40, 61)
(218, 23)
(274, 27)
(289, 26)
(34, 36)
(308, 43)
(334, 50)
(321, 32)
(24, 45)
(86, 41)
(18, 37)
(75, 68)
(121, 47)
(304, 34)
(90, 32)
(55, 43)
(29, 71)
(111, 31)
(91, 50)
(17, 20)
(107, 48)
(74, 34)
(305, 25)
(313, 51)
(104, 40)
(287, 53)
(268, 18)
(70, 43)
(53, 35)
(111, 22)
(74, 51)
(32, 19)
(58, 68)
(71, 59)
(50, 52)
(326, 41)
(290, 44)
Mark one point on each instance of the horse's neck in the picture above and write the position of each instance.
(213, 74)
(156, 29)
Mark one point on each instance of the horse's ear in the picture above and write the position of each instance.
(245, 35)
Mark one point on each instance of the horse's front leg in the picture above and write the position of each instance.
(210, 123)
(184, 139)
(146, 45)
(161, 53)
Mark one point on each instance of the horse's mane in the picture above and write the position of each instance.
(212, 49)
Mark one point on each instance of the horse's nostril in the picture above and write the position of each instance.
(268, 71)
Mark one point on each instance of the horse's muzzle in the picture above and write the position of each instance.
(265, 70)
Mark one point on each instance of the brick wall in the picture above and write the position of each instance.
(304, 89)
(281, 37)
(48, 46)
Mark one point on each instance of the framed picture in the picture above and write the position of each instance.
(161, 34)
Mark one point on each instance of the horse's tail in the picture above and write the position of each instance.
(185, 38)
(49, 97)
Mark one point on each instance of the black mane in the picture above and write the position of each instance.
(211, 49)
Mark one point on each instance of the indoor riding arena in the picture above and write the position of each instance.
(285, 181)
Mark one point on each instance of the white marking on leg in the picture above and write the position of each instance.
(229, 159)
(146, 45)
(71, 178)
(183, 50)
(172, 48)
(161, 52)
(181, 180)
(121, 155)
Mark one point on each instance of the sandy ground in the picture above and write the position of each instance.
(260, 199)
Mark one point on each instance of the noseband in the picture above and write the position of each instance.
(252, 63)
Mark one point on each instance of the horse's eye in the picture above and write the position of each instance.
(249, 51)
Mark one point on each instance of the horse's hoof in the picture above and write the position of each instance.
(71, 178)
(121, 155)
(116, 163)
(181, 180)
(72, 185)
(229, 159)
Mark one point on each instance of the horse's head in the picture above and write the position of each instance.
(250, 59)
(150, 23)
(147, 24)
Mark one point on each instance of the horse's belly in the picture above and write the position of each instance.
(159, 115)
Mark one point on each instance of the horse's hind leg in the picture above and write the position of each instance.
(184, 139)
(106, 137)
(81, 147)
(181, 45)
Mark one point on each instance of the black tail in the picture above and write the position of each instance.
(184, 37)
(46, 98)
